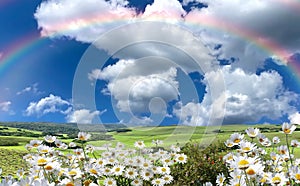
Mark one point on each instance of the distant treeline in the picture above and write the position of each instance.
(71, 129)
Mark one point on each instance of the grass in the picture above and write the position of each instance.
(169, 134)
(11, 161)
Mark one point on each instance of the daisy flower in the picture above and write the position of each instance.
(295, 143)
(83, 136)
(252, 132)
(117, 170)
(276, 140)
(181, 158)
(247, 146)
(167, 178)
(146, 174)
(131, 173)
(229, 143)
(288, 128)
(158, 182)
(164, 170)
(236, 138)
(220, 179)
(35, 143)
(139, 144)
(278, 179)
(137, 182)
(109, 182)
(261, 137)
(50, 139)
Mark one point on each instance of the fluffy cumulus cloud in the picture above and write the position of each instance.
(272, 24)
(294, 118)
(5, 106)
(83, 116)
(50, 104)
(249, 99)
(134, 84)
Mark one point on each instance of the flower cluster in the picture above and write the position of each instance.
(262, 163)
(55, 163)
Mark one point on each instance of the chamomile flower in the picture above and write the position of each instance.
(261, 137)
(130, 173)
(295, 143)
(220, 179)
(117, 170)
(137, 182)
(158, 182)
(167, 178)
(252, 132)
(35, 143)
(146, 174)
(266, 142)
(236, 138)
(276, 140)
(254, 170)
(110, 182)
(288, 128)
(164, 170)
(50, 139)
(44, 149)
(283, 150)
(278, 179)
(181, 158)
(175, 148)
(146, 164)
(83, 136)
(229, 143)
(139, 144)
(247, 146)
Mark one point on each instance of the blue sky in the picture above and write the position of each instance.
(150, 62)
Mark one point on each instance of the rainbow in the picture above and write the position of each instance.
(18, 50)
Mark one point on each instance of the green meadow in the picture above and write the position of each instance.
(13, 139)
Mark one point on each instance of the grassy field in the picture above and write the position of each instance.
(12, 147)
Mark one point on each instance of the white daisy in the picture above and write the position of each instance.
(288, 128)
(109, 182)
(252, 132)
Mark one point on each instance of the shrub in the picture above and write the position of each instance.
(203, 165)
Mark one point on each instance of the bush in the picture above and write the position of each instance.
(203, 165)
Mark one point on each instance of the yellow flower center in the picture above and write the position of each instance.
(72, 173)
(147, 174)
(246, 149)
(250, 171)
(70, 184)
(276, 180)
(48, 167)
(237, 140)
(130, 173)
(35, 145)
(82, 138)
(42, 162)
(263, 180)
(109, 182)
(87, 182)
(287, 131)
(181, 158)
(297, 176)
(93, 171)
(163, 169)
(243, 164)
(117, 169)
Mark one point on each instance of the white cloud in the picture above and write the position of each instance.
(5, 106)
(30, 89)
(294, 118)
(248, 98)
(82, 20)
(133, 84)
(50, 104)
(273, 23)
(83, 116)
